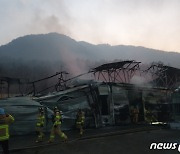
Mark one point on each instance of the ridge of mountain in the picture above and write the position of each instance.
(58, 47)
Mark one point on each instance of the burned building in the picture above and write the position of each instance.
(109, 103)
(110, 97)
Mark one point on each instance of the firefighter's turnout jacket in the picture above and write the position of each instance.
(40, 120)
(56, 127)
(39, 126)
(80, 121)
(5, 120)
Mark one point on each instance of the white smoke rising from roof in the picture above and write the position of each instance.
(138, 80)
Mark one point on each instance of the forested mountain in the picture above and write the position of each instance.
(35, 56)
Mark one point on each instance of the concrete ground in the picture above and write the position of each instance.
(112, 140)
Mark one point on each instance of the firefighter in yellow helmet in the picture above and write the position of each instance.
(5, 120)
(56, 126)
(40, 125)
(80, 121)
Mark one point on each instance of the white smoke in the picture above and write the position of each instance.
(138, 80)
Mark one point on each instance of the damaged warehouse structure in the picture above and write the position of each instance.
(110, 100)
(106, 104)
(117, 88)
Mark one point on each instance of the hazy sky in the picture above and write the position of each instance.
(149, 23)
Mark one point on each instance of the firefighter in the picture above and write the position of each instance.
(40, 125)
(135, 115)
(57, 120)
(5, 120)
(80, 121)
(149, 116)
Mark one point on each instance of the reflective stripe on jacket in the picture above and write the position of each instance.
(4, 132)
(41, 120)
(57, 120)
(80, 119)
(4, 127)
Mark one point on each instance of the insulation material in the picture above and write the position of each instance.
(25, 112)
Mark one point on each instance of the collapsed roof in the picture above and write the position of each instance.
(121, 71)
(165, 76)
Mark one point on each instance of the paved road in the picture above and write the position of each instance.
(128, 143)
(18, 142)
